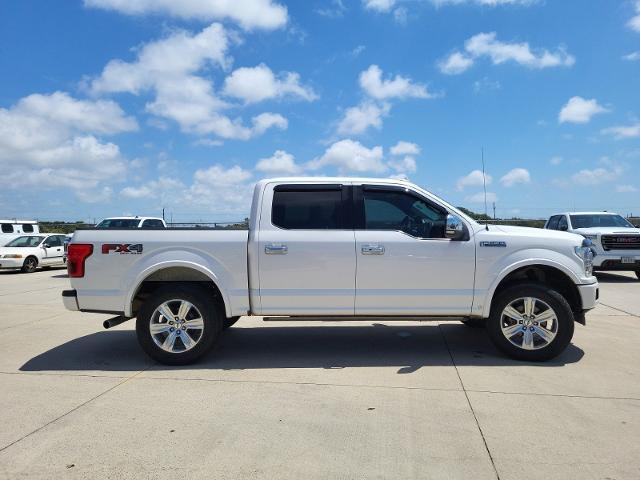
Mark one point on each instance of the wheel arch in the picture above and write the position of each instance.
(543, 272)
(159, 275)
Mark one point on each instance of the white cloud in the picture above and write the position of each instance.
(455, 63)
(626, 189)
(632, 57)
(405, 148)
(379, 5)
(335, 10)
(259, 83)
(400, 15)
(515, 177)
(168, 68)
(555, 160)
(221, 190)
(486, 45)
(474, 178)
(620, 132)
(280, 162)
(634, 22)
(164, 188)
(480, 197)
(375, 86)
(50, 141)
(580, 110)
(489, 3)
(263, 14)
(350, 155)
(405, 165)
(610, 172)
(358, 119)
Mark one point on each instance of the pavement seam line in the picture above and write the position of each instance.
(620, 310)
(77, 407)
(475, 417)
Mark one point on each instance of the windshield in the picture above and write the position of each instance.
(590, 221)
(25, 242)
(118, 223)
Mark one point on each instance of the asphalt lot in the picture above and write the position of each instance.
(322, 400)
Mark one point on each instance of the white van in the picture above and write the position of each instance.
(10, 229)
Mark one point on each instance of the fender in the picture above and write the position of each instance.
(156, 262)
(515, 265)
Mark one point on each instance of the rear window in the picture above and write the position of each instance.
(121, 223)
(7, 228)
(313, 209)
(27, 228)
(152, 224)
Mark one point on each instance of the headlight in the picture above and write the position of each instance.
(12, 255)
(586, 253)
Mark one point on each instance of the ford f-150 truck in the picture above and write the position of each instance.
(337, 248)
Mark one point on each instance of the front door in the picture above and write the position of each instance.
(405, 265)
(305, 251)
(54, 250)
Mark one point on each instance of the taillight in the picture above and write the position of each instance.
(76, 256)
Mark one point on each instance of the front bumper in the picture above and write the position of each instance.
(589, 295)
(11, 262)
(613, 261)
(70, 300)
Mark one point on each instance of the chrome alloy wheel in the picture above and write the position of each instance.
(529, 323)
(176, 326)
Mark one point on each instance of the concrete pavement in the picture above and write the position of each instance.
(322, 400)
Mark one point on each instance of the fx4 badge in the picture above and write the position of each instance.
(122, 248)
(493, 244)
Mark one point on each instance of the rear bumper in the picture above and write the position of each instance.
(70, 300)
(589, 295)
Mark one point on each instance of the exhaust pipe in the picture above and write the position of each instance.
(112, 322)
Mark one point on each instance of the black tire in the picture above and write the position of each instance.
(562, 310)
(475, 322)
(209, 312)
(229, 322)
(30, 265)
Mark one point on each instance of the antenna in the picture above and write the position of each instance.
(484, 185)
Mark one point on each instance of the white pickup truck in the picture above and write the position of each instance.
(337, 248)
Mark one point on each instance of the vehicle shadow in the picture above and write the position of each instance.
(408, 348)
(610, 277)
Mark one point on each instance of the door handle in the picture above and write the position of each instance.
(273, 249)
(372, 249)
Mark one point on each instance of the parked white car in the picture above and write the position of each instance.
(29, 252)
(336, 248)
(10, 229)
(132, 222)
(616, 242)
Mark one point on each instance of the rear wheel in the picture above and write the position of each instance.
(30, 264)
(178, 325)
(530, 322)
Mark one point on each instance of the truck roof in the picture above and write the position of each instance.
(13, 220)
(585, 213)
(391, 181)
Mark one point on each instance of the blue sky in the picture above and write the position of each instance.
(111, 107)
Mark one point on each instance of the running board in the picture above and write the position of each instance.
(361, 319)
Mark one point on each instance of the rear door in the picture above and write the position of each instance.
(405, 265)
(306, 257)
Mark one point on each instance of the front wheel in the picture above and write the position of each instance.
(30, 264)
(530, 322)
(178, 325)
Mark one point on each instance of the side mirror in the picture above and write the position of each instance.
(45, 245)
(454, 229)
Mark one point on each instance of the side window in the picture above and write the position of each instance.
(53, 241)
(7, 228)
(553, 222)
(307, 209)
(397, 210)
(562, 223)
(27, 228)
(152, 224)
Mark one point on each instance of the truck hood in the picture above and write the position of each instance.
(537, 233)
(607, 231)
